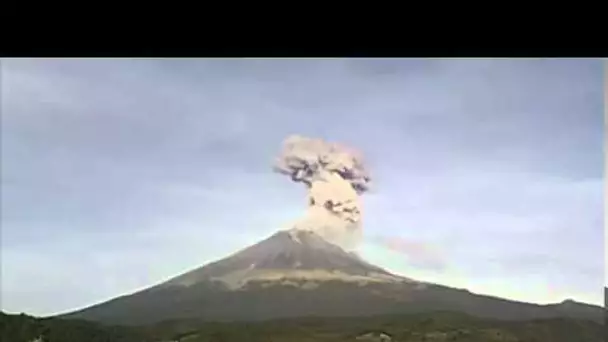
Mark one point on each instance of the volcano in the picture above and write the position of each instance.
(293, 255)
(296, 273)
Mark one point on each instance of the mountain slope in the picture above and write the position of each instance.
(296, 274)
(286, 254)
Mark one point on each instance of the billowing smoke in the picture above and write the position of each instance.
(335, 177)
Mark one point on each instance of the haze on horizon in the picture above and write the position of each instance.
(120, 174)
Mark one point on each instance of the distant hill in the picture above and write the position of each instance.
(298, 274)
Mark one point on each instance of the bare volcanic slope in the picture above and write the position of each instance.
(297, 273)
(287, 255)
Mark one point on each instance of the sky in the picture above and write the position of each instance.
(118, 174)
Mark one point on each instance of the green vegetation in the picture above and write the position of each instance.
(23, 328)
(440, 326)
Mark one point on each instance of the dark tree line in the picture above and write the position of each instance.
(23, 328)
(408, 328)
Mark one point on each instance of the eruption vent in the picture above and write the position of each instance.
(335, 177)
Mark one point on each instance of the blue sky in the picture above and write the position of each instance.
(119, 174)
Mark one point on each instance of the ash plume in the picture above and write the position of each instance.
(336, 177)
